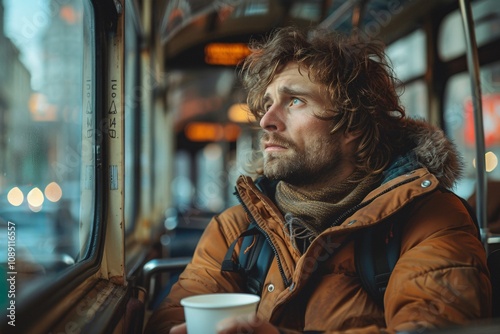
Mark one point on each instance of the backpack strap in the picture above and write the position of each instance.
(377, 250)
(376, 253)
(253, 261)
(256, 253)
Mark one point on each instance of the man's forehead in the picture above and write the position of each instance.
(293, 77)
(292, 67)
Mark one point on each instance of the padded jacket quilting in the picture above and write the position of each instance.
(440, 279)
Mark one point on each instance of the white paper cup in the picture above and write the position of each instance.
(203, 312)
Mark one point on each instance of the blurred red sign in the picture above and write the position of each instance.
(491, 120)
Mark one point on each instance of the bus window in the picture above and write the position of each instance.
(310, 10)
(182, 188)
(415, 100)
(459, 122)
(408, 55)
(451, 42)
(210, 194)
(46, 136)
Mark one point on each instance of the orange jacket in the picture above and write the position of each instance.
(441, 278)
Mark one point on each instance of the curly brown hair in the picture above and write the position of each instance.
(357, 77)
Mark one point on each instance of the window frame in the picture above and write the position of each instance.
(40, 299)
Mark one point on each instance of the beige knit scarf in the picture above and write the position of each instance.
(308, 213)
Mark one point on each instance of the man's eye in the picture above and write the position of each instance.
(295, 101)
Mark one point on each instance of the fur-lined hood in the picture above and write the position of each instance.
(429, 147)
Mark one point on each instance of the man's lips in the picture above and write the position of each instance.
(273, 143)
(273, 147)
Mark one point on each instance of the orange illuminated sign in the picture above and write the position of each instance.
(211, 132)
(225, 53)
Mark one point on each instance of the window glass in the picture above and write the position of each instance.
(163, 166)
(310, 10)
(211, 178)
(414, 99)
(408, 55)
(46, 136)
(451, 42)
(182, 187)
(231, 173)
(459, 122)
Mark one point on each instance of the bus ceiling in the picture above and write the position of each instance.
(186, 27)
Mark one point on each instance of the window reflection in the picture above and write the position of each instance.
(211, 178)
(486, 14)
(459, 122)
(408, 55)
(415, 100)
(41, 112)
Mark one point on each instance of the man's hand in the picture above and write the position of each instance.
(245, 325)
(179, 329)
(236, 325)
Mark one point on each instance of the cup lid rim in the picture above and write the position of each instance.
(196, 301)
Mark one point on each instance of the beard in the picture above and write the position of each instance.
(299, 166)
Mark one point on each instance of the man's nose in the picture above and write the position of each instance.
(273, 119)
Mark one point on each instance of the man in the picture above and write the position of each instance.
(343, 158)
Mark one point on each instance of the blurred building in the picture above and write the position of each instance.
(15, 91)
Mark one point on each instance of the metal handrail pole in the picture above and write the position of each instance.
(473, 65)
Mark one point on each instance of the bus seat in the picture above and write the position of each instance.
(183, 230)
(150, 277)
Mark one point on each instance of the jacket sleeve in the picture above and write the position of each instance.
(202, 275)
(441, 278)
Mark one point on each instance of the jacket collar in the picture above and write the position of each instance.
(427, 147)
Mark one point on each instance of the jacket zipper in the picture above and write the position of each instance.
(335, 223)
(268, 239)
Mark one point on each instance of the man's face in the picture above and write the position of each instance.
(298, 147)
